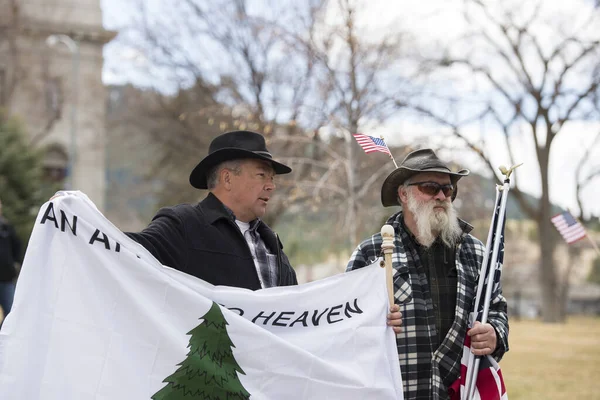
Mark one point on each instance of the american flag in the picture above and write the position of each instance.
(371, 144)
(569, 228)
(489, 384)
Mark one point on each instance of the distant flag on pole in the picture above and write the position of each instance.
(568, 227)
(371, 144)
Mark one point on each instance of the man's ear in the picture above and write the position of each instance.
(402, 194)
(225, 178)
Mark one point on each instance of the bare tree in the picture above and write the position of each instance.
(289, 72)
(529, 75)
(252, 75)
(354, 78)
(583, 180)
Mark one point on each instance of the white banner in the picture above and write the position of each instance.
(97, 317)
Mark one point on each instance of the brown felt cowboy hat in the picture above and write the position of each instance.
(234, 145)
(423, 160)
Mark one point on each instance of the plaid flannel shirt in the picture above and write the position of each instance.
(266, 262)
(428, 372)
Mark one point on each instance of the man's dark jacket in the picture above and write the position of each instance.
(203, 240)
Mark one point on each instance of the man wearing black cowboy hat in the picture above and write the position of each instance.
(436, 265)
(222, 239)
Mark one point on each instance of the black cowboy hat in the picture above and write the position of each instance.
(423, 160)
(234, 145)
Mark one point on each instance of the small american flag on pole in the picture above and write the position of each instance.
(569, 228)
(371, 144)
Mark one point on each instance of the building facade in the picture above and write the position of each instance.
(51, 79)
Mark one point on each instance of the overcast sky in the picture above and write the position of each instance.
(429, 21)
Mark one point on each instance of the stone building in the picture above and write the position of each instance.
(54, 86)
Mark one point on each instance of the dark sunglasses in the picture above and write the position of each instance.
(433, 188)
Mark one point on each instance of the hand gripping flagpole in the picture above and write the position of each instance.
(387, 245)
(502, 195)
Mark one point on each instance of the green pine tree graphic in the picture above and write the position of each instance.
(210, 370)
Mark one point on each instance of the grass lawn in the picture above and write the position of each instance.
(553, 361)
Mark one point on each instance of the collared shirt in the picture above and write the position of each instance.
(265, 263)
(439, 267)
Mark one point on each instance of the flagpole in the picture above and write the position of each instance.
(470, 389)
(473, 369)
(387, 245)
(485, 265)
(594, 245)
(390, 152)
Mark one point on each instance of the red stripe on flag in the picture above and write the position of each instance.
(490, 383)
(569, 228)
(371, 144)
(487, 385)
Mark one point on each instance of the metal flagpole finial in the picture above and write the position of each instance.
(506, 172)
(390, 152)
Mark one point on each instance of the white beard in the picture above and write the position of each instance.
(434, 223)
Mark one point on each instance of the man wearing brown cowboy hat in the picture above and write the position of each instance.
(436, 265)
(222, 239)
